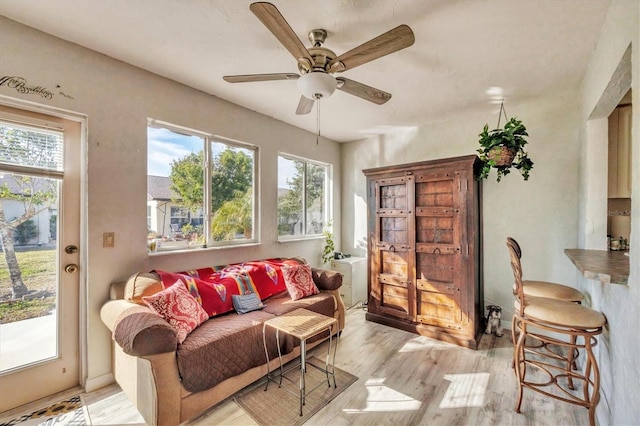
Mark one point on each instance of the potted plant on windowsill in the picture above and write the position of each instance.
(329, 247)
(503, 149)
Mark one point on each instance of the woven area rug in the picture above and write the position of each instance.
(70, 412)
(276, 406)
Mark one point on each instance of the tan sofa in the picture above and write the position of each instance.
(146, 353)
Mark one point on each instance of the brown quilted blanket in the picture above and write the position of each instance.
(228, 345)
(224, 347)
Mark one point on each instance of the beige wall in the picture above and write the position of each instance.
(540, 213)
(604, 84)
(117, 100)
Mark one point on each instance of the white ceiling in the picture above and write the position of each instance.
(524, 48)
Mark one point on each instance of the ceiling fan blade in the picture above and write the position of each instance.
(259, 77)
(304, 106)
(389, 42)
(271, 17)
(363, 91)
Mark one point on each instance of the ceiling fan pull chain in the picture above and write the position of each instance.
(318, 121)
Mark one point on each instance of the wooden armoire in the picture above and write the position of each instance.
(424, 261)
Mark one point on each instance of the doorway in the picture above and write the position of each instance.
(40, 165)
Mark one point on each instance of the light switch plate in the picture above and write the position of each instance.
(109, 239)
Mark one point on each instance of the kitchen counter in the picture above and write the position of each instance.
(608, 267)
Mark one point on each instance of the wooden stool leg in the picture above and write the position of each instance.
(513, 339)
(591, 363)
(520, 366)
(571, 359)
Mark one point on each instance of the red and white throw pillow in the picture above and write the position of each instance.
(179, 308)
(299, 281)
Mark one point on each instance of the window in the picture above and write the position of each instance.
(303, 197)
(192, 205)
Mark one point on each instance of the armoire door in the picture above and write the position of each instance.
(392, 287)
(440, 221)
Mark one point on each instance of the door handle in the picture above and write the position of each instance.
(71, 268)
(71, 249)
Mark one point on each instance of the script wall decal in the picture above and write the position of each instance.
(21, 86)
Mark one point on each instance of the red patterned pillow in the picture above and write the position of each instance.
(298, 280)
(179, 308)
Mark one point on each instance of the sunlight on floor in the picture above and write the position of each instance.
(421, 343)
(383, 398)
(465, 390)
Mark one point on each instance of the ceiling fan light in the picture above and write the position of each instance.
(316, 85)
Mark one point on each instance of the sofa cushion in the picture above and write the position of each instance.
(226, 346)
(298, 280)
(326, 279)
(322, 303)
(179, 308)
(140, 285)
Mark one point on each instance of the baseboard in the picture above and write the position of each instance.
(95, 383)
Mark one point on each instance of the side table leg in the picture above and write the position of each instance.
(303, 368)
(326, 361)
(279, 356)
(333, 363)
(266, 353)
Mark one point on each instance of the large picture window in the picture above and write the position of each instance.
(194, 206)
(303, 197)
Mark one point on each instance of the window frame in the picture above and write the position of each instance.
(327, 204)
(207, 139)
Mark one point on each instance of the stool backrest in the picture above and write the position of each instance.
(518, 291)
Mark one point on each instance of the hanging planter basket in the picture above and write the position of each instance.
(501, 155)
(503, 148)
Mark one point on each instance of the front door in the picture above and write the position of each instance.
(40, 234)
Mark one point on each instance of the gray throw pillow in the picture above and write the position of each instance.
(244, 303)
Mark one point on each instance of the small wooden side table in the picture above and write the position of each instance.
(302, 324)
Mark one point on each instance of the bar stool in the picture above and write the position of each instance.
(545, 289)
(573, 327)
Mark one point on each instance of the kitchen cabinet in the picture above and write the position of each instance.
(354, 279)
(619, 179)
(424, 263)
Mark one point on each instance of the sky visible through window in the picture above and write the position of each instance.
(165, 146)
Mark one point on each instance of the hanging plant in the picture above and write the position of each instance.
(503, 149)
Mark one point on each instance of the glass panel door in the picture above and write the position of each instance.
(39, 272)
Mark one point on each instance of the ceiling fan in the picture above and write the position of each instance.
(318, 64)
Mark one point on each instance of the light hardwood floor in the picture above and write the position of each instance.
(404, 379)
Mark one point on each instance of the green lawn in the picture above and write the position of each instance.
(38, 269)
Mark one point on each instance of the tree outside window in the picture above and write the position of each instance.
(302, 197)
(181, 191)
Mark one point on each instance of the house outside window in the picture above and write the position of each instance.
(303, 197)
(193, 206)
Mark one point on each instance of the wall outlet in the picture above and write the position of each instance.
(109, 239)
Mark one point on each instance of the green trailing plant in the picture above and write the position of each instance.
(493, 144)
(329, 247)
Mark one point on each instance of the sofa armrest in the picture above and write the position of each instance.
(116, 290)
(326, 279)
(137, 330)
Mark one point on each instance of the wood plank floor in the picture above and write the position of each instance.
(404, 379)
